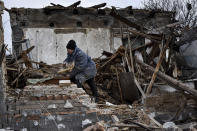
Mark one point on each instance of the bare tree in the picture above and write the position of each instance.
(185, 10)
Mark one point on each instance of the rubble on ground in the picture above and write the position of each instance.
(140, 87)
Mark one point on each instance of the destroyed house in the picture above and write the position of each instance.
(125, 44)
(94, 29)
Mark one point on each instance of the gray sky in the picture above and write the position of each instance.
(42, 3)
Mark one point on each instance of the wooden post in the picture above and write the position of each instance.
(118, 80)
(158, 65)
(130, 52)
(74, 5)
(131, 68)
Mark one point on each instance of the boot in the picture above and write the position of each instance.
(93, 88)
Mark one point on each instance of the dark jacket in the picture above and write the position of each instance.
(83, 64)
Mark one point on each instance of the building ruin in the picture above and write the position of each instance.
(34, 99)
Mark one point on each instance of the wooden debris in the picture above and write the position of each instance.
(112, 58)
(74, 5)
(169, 80)
(130, 53)
(124, 20)
(20, 56)
(140, 88)
(97, 127)
(155, 121)
(98, 6)
(68, 68)
(118, 80)
(26, 60)
(107, 54)
(57, 5)
(2, 52)
(168, 26)
(18, 77)
(109, 85)
(12, 69)
(143, 46)
(157, 39)
(163, 52)
(115, 119)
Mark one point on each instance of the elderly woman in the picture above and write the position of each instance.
(84, 68)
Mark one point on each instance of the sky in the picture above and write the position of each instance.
(43, 3)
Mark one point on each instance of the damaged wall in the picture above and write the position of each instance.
(50, 47)
(50, 28)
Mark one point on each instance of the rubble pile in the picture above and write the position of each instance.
(140, 86)
(18, 75)
(113, 70)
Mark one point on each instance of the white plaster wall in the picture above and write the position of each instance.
(117, 42)
(62, 40)
(44, 42)
(51, 47)
(97, 41)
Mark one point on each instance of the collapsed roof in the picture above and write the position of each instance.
(120, 74)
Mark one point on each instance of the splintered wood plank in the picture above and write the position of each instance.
(163, 52)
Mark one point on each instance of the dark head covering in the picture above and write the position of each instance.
(71, 45)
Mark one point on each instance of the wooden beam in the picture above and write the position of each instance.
(131, 54)
(20, 56)
(53, 4)
(18, 76)
(152, 119)
(169, 80)
(8, 10)
(120, 90)
(98, 6)
(111, 59)
(58, 5)
(139, 87)
(26, 60)
(125, 20)
(145, 35)
(167, 26)
(161, 56)
(145, 45)
(12, 69)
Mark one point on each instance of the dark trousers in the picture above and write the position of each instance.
(90, 82)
